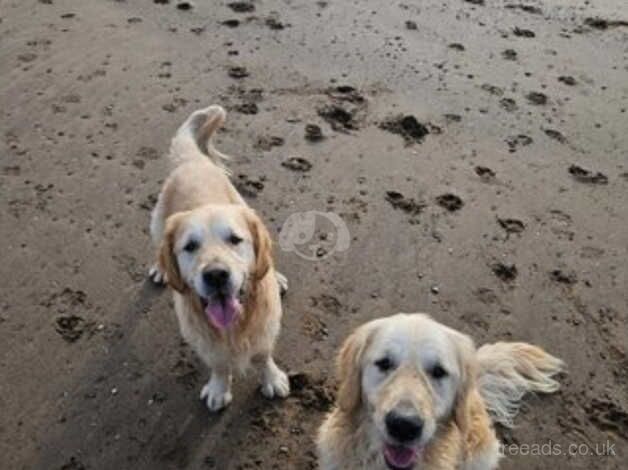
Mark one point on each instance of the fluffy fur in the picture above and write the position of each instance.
(412, 366)
(202, 226)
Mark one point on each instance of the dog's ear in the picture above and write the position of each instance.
(465, 351)
(167, 258)
(262, 245)
(349, 367)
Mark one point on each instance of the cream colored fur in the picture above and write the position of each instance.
(491, 379)
(199, 197)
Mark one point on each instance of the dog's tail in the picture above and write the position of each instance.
(507, 371)
(194, 138)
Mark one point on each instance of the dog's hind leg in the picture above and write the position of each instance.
(157, 224)
(282, 281)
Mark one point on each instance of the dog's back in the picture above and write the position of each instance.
(199, 176)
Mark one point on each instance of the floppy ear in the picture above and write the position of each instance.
(167, 259)
(262, 245)
(350, 370)
(468, 370)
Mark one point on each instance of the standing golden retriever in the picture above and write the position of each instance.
(215, 253)
(415, 394)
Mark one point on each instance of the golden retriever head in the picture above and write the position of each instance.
(406, 376)
(217, 254)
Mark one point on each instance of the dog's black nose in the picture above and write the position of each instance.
(216, 278)
(403, 428)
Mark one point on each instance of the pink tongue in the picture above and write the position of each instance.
(222, 313)
(399, 456)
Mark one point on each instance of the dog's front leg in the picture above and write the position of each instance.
(275, 382)
(217, 391)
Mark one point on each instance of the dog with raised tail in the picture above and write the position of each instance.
(415, 394)
(215, 254)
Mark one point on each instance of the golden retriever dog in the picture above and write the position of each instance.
(215, 254)
(415, 394)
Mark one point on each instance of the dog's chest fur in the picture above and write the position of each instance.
(230, 349)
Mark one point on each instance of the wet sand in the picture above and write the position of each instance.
(476, 151)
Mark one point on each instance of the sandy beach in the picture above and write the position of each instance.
(468, 159)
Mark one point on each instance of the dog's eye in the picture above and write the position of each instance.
(438, 372)
(234, 239)
(191, 246)
(384, 364)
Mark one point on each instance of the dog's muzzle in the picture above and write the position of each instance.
(219, 300)
(404, 431)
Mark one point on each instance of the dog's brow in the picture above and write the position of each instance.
(388, 349)
(192, 237)
(221, 228)
(193, 233)
(433, 357)
(384, 354)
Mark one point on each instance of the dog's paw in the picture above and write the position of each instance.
(282, 281)
(155, 275)
(216, 395)
(275, 383)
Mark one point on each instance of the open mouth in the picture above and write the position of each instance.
(400, 457)
(221, 311)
